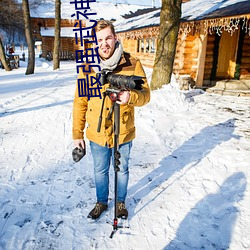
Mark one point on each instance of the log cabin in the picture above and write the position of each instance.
(42, 19)
(213, 41)
(43, 31)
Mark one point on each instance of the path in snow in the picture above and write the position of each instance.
(189, 171)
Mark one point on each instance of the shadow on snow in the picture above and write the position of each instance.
(210, 223)
(190, 153)
(23, 110)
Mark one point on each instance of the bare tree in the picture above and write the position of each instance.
(56, 59)
(11, 24)
(3, 57)
(28, 33)
(169, 27)
(36, 3)
(11, 16)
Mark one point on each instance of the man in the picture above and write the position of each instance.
(114, 59)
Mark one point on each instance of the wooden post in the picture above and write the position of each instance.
(201, 60)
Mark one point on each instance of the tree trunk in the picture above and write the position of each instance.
(29, 38)
(56, 59)
(169, 27)
(3, 57)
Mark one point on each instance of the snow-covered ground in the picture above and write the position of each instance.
(189, 170)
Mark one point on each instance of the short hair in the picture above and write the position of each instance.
(103, 24)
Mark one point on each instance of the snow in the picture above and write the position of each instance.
(196, 9)
(189, 169)
(192, 10)
(106, 10)
(145, 20)
(65, 32)
(155, 3)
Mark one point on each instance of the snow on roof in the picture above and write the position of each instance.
(197, 9)
(192, 10)
(105, 10)
(65, 32)
(146, 20)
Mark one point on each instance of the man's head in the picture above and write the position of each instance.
(106, 38)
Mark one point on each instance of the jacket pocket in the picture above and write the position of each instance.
(127, 120)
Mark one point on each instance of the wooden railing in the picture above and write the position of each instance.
(63, 55)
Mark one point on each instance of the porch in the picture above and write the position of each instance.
(231, 87)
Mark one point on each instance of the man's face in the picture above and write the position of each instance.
(106, 42)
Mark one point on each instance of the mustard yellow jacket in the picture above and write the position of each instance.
(85, 110)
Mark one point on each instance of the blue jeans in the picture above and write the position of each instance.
(102, 157)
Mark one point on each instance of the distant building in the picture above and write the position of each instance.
(43, 20)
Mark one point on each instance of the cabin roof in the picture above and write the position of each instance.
(208, 9)
(194, 10)
(65, 32)
(104, 10)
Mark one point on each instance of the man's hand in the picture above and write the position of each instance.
(79, 151)
(79, 143)
(123, 97)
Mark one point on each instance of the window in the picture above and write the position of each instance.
(146, 45)
(152, 45)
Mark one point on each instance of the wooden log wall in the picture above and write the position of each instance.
(209, 75)
(209, 58)
(186, 55)
(245, 60)
(187, 50)
(50, 22)
(67, 44)
(190, 56)
(47, 45)
(146, 59)
(131, 46)
(179, 60)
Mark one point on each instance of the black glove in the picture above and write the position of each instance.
(78, 153)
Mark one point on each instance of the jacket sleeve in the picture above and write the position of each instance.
(80, 106)
(141, 97)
